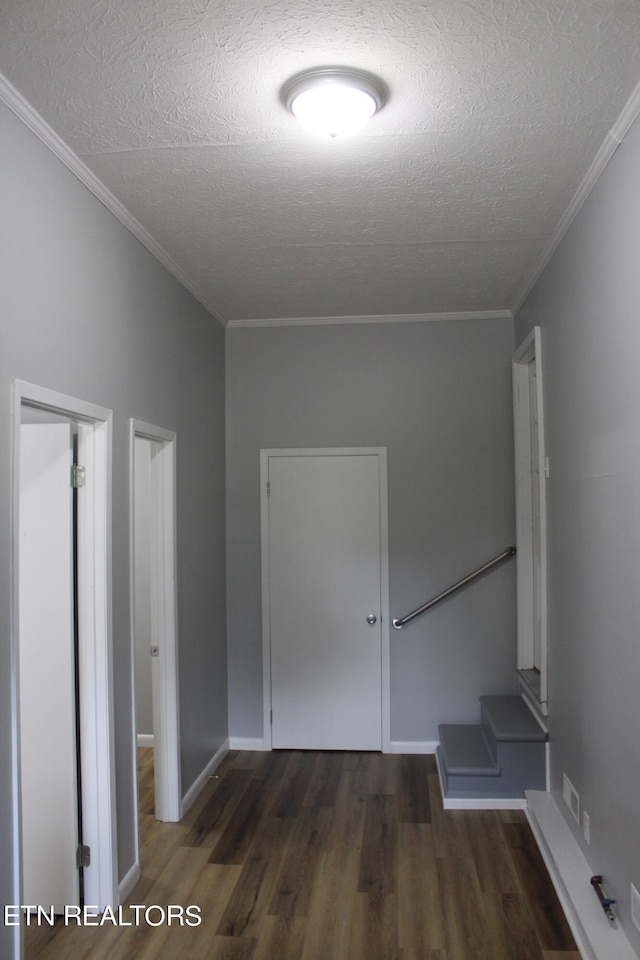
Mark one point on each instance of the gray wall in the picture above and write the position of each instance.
(438, 395)
(87, 311)
(588, 305)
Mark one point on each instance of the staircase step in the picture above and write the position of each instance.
(465, 751)
(497, 759)
(508, 718)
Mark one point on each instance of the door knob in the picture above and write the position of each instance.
(371, 619)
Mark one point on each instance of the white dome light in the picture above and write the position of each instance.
(333, 102)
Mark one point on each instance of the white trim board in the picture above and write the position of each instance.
(200, 782)
(418, 747)
(248, 743)
(484, 803)
(414, 746)
(375, 318)
(570, 874)
(607, 149)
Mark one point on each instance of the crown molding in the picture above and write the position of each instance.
(612, 141)
(389, 318)
(32, 119)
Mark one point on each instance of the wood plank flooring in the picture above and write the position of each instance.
(297, 855)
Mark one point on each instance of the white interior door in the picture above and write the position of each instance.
(49, 795)
(324, 534)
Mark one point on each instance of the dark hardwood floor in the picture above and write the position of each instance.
(330, 856)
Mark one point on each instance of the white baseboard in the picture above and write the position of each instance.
(145, 739)
(248, 743)
(200, 782)
(570, 873)
(396, 746)
(128, 882)
(413, 746)
(484, 803)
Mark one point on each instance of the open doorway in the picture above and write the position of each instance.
(531, 527)
(64, 794)
(154, 620)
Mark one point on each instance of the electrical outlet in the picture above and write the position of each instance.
(635, 905)
(571, 797)
(586, 826)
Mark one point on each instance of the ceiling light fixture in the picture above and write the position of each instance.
(334, 101)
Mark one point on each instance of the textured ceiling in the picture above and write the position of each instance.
(444, 204)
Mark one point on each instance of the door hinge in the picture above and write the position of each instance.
(83, 856)
(546, 468)
(78, 476)
(271, 716)
(268, 488)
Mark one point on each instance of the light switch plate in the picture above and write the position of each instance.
(571, 797)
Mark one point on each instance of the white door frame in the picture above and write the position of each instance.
(163, 563)
(95, 640)
(530, 351)
(385, 622)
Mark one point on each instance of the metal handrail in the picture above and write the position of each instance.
(509, 551)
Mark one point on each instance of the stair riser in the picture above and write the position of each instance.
(515, 721)
(501, 758)
(524, 764)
